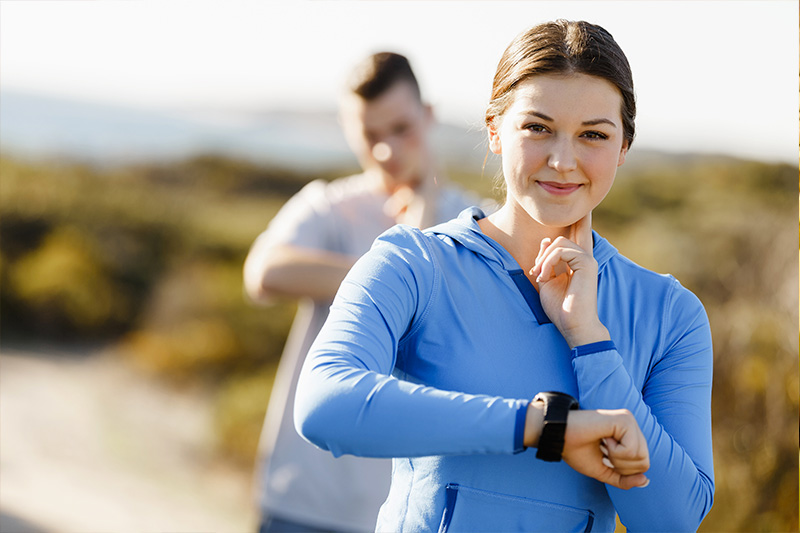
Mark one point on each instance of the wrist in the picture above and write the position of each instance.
(586, 335)
(534, 420)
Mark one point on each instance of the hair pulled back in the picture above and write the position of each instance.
(563, 47)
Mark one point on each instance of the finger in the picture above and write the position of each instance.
(547, 269)
(624, 481)
(630, 444)
(636, 480)
(581, 233)
(556, 254)
(628, 460)
(625, 467)
(542, 249)
(612, 445)
(547, 241)
(628, 469)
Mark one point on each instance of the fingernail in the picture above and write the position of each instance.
(608, 463)
(646, 483)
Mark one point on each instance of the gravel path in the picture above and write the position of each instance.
(87, 444)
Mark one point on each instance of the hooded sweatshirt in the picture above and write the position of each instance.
(435, 345)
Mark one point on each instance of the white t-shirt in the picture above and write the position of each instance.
(298, 481)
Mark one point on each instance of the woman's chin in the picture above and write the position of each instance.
(557, 221)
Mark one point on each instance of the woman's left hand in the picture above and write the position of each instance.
(566, 275)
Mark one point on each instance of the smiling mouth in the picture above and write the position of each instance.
(559, 189)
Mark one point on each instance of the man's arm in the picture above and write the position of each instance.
(272, 270)
(293, 271)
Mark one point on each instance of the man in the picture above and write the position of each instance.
(306, 252)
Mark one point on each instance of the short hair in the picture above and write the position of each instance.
(377, 73)
(564, 47)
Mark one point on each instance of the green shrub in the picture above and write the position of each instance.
(63, 286)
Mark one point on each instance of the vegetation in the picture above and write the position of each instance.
(148, 259)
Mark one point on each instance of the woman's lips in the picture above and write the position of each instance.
(557, 188)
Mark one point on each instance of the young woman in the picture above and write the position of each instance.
(439, 340)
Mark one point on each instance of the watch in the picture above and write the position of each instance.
(556, 407)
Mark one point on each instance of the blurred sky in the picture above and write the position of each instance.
(716, 76)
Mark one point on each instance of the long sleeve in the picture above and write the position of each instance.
(673, 411)
(347, 400)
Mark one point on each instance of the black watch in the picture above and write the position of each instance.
(556, 407)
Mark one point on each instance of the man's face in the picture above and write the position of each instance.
(389, 134)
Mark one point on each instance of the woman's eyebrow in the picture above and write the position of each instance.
(540, 115)
(597, 121)
(592, 122)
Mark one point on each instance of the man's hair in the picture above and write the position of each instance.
(377, 73)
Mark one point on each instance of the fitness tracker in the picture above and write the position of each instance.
(556, 407)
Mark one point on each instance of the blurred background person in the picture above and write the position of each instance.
(305, 253)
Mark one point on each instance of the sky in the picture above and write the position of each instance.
(716, 76)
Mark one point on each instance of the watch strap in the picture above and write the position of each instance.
(557, 406)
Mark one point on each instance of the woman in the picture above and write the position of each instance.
(438, 340)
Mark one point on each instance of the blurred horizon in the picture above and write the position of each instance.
(38, 126)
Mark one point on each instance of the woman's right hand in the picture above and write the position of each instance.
(606, 445)
(566, 277)
(590, 434)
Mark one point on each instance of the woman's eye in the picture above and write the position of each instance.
(536, 128)
(595, 135)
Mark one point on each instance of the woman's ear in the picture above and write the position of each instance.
(622, 153)
(494, 138)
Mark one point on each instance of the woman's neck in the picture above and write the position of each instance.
(518, 233)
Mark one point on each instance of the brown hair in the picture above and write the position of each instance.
(564, 47)
(378, 72)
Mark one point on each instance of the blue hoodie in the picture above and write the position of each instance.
(436, 343)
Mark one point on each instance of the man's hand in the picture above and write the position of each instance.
(413, 205)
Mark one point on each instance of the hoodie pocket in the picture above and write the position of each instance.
(469, 509)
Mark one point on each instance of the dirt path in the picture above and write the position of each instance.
(86, 444)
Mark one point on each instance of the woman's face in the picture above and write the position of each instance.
(561, 142)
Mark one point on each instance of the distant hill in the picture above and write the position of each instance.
(308, 141)
(44, 126)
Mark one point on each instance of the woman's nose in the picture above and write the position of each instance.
(562, 156)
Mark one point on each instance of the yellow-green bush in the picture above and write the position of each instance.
(64, 285)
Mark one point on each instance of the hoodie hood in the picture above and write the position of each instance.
(465, 230)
